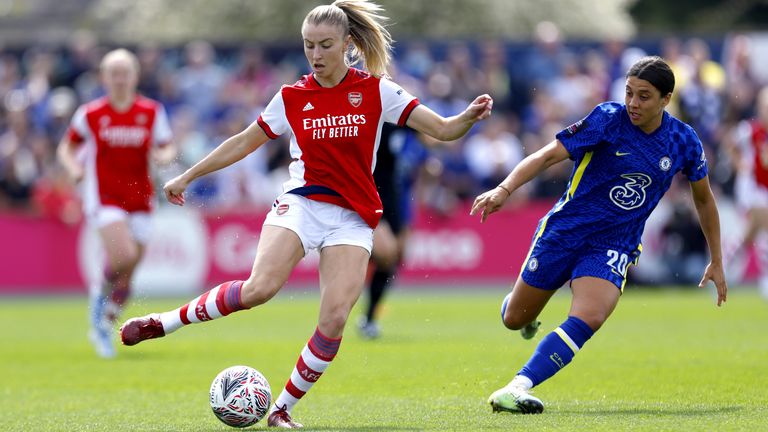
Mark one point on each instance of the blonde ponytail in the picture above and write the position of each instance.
(361, 20)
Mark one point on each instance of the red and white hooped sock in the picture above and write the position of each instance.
(218, 302)
(313, 361)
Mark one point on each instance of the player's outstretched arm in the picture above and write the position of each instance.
(491, 201)
(709, 218)
(230, 151)
(452, 128)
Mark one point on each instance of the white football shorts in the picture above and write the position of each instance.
(749, 194)
(140, 223)
(319, 224)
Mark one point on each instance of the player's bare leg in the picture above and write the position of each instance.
(342, 274)
(522, 306)
(757, 219)
(278, 253)
(123, 254)
(385, 256)
(519, 311)
(594, 300)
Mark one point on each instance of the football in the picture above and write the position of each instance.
(240, 396)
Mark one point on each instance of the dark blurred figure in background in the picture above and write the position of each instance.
(683, 245)
(390, 235)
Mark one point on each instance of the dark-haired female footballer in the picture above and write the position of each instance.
(625, 158)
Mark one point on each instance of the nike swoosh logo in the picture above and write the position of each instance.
(618, 153)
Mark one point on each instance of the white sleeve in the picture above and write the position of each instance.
(78, 126)
(273, 119)
(396, 103)
(161, 130)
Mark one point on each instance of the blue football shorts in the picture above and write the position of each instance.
(552, 263)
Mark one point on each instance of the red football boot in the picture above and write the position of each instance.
(136, 330)
(282, 419)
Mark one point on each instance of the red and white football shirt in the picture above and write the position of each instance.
(757, 152)
(117, 147)
(335, 133)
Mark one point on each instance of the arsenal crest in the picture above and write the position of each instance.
(355, 98)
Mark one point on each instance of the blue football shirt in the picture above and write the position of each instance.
(619, 176)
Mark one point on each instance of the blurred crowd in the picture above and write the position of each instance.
(213, 92)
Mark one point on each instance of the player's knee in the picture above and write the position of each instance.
(257, 291)
(387, 262)
(125, 263)
(132, 260)
(594, 319)
(332, 321)
(385, 258)
(511, 317)
(514, 321)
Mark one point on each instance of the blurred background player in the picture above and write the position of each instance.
(749, 153)
(402, 157)
(406, 157)
(389, 236)
(626, 156)
(399, 159)
(333, 117)
(107, 149)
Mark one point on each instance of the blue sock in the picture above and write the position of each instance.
(556, 350)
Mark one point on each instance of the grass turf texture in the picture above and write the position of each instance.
(666, 360)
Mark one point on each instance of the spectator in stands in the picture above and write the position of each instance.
(24, 154)
(701, 99)
(201, 80)
(493, 151)
(253, 71)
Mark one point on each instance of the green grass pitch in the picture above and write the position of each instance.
(667, 360)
